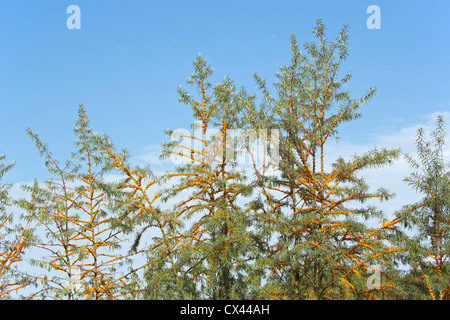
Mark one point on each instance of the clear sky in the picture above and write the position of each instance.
(129, 57)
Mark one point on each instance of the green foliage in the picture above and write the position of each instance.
(14, 240)
(211, 228)
(320, 241)
(4, 198)
(214, 244)
(427, 251)
(81, 227)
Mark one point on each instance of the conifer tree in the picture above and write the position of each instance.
(82, 231)
(427, 252)
(13, 243)
(141, 204)
(214, 244)
(318, 245)
(301, 226)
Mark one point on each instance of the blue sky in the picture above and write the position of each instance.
(129, 57)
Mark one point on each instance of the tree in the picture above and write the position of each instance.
(318, 245)
(141, 205)
(427, 251)
(80, 226)
(13, 243)
(294, 224)
(213, 241)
